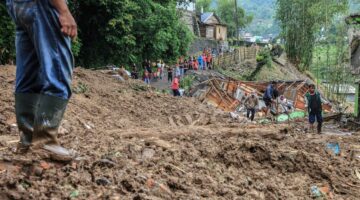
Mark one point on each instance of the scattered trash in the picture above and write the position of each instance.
(234, 115)
(147, 153)
(282, 118)
(315, 192)
(74, 194)
(264, 121)
(297, 115)
(87, 126)
(334, 147)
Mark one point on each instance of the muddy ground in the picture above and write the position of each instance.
(135, 143)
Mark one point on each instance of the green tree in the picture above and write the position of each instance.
(203, 4)
(227, 13)
(300, 20)
(125, 31)
(116, 32)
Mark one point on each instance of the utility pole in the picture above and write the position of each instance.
(236, 20)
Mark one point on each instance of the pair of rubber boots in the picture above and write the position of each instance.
(38, 117)
(319, 127)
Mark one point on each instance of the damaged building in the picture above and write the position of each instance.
(227, 94)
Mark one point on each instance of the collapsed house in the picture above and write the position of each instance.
(227, 94)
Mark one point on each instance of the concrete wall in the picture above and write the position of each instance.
(200, 43)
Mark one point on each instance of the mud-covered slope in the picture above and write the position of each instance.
(136, 144)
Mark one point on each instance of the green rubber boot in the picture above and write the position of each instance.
(48, 118)
(25, 109)
(319, 127)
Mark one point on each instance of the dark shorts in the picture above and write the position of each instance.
(315, 117)
(268, 102)
(176, 92)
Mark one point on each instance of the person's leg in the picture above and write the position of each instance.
(311, 122)
(56, 63)
(174, 93)
(27, 83)
(252, 114)
(178, 93)
(54, 52)
(247, 113)
(319, 120)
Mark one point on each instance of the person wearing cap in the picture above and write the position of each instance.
(251, 102)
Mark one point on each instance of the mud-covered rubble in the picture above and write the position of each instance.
(134, 143)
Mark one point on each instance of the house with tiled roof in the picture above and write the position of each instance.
(211, 27)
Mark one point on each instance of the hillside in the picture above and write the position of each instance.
(264, 12)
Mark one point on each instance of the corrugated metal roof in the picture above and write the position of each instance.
(205, 16)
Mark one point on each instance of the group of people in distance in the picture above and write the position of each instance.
(158, 70)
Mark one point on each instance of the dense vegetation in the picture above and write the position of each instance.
(300, 21)
(7, 36)
(117, 32)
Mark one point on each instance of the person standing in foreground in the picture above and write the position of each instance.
(175, 85)
(44, 60)
(251, 103)
(313, 102)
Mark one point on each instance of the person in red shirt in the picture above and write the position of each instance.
(175, 85)
(147, 77)
(208, 60)
(195, 64)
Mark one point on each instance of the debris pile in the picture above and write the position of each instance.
(228, 94)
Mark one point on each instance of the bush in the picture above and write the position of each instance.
(187, 82)
(7, 36)
(264, 57)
